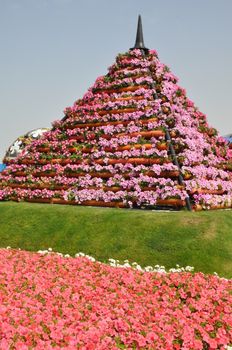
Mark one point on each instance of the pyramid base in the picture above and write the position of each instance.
(164, 204)
(168, 204)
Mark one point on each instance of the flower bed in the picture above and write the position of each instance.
(52, 302)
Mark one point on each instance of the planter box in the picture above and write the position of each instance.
(38, 200)
(62, 201)
(27, 161)
(44, 174)
(19, 173)
(136, 161)
(90, 203)
(206, 191)
(172, 201)
(125, 89)
(145, 134)
(117, 111)
(96, 124)
(43, 149)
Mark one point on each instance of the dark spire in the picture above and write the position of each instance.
(139, 43)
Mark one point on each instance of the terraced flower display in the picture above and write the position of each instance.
(133, 140)
(52, 302)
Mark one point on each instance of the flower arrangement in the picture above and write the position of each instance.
(119, 128)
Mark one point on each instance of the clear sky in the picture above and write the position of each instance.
(51, 51)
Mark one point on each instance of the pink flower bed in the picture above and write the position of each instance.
(52, 302)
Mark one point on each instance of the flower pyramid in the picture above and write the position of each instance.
(133, 140)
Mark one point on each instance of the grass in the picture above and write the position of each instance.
(202, 239)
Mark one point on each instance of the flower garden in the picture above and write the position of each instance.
(134, 140)
(50, 301)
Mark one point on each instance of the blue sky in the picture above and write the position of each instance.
(53, 50)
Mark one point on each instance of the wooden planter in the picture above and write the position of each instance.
(38, 200)
(69, 161)
(162, 146)
(96, 124)
(66, 161)
(137, 161)
(129, 98)
(117, 111)
(104, 204)
(55, 161)
(14, 199)
(206, 191)
(49, 186)
(74, 174)
(169, 174)
(72, 149)
(27, 161)
(166, 174)
(62, 201)
(146, 134)
(93, 203)
(157, 161)
(112, 189)
(18, 185)
(43, 149)
(59, 187)
(43, 161)
(129, 147)
(19, 173)
(43, 186)
(172, 201)
(125, 89)
(107, 175)
(147, 188)
(146, 121)
(105, 188)
(102, 175)
(87, 150)
(44, 174)
(76, 138)
(197, 207)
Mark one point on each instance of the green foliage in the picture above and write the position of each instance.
(202, 239)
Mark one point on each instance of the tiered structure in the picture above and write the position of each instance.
(133, 140)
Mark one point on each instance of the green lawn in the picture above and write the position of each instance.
(202, 239)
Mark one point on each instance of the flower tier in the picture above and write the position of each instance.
(133, 140)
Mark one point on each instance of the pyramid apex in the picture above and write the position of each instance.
(139, 42)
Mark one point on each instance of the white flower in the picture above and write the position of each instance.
(79, 254)
(126, 265)
(148, 268)
(90, 258)
(42, 252)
